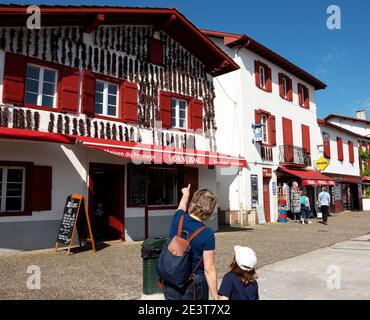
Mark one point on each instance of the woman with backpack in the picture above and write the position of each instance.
(190, 239)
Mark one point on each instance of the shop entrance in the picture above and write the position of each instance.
(266, 198)
(106, 201)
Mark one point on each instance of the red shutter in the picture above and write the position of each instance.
(14, 78)
(288, 140)
(351, 152)
(155, 51)
(165, 109)
(41, 186)
(340, 148)
(300, 98)
(257, 117)
(307, 98)
(257, 73)
(128, 98)
(281, 91)
(327, 146)
(268, 79)
(68, 90)
(88, 93)
(195, 114)
(272, 130)
(306, 142)
(290, 90)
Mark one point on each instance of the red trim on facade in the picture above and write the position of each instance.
(23, 134)
(289, 83)
(306, 140)
(340, 148)
(351, 152)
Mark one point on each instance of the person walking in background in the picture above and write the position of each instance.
(323, 202)
(203, 245)
(305, 208)
(241, 282)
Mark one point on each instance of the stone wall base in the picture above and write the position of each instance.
(232, 218)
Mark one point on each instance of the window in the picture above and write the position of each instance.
(264, 122)
(12, 187)
(162, 187)
(262, 77)
(285, 88)
(106, 98)
(178, 113)
(303, 96)
(152, 186)
(40, 86)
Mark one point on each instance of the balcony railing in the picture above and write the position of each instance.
(266, 153)
(290, 154)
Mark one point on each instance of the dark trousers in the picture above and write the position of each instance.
(325, 213)
(305, 213)
(193, 291)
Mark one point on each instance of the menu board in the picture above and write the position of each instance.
(68, 220)
(254, 189)
(338, 192)
(75, 218)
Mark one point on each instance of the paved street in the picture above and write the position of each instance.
(115, 271)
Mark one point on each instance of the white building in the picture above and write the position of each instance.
(78, 111)
(267, 90)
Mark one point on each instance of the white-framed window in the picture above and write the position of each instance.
(106, 98)
(262, 72)
(264, 122)
(12, 189)
(41, 86)
(178, 113)
(285, 87)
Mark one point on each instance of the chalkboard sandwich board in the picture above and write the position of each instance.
(75, 217)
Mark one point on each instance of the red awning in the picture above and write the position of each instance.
(159, 154)
(310, 177)
(343, 178)
(23, 134)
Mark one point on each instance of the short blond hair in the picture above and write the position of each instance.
(203, 204)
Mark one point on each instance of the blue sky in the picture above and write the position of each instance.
(297, 31)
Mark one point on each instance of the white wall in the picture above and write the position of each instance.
(336, 166)
(236, 99)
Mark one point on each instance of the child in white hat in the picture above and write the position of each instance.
(241, 282)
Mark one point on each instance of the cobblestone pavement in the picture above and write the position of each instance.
(115, 271)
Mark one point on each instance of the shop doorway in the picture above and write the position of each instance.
(106, 201)
(266, 198)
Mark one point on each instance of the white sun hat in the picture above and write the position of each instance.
(245, 258)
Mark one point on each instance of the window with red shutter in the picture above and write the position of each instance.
(351, 152)
(155, 51)
(303, 96)
(41, 187)
(288, 140)
(88, 93)
(340, 148)
(68, 90)
(128, 96)
(263, 76)
(165, 109)
(326, 138)
(257, 116)
(285, 87)
(14, 79)
(195, 114)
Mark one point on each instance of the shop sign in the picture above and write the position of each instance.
(254, 190)
(257, 132)
(322, 163)
(274, 188)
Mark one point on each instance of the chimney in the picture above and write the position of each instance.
(361, 114)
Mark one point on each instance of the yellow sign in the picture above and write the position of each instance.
(322, 163)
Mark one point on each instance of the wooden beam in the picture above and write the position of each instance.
(99, 19)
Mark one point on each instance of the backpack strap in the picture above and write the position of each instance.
(196, 232)
(179, 228)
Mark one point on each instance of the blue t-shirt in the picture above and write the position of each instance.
(233, 288)
(204, 241)
(324, 198)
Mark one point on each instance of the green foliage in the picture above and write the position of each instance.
(365, 155)
(367, 193)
